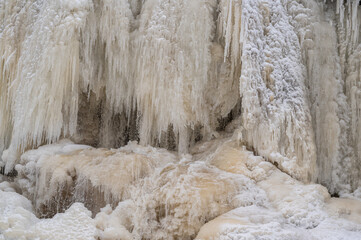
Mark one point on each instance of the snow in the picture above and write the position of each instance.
(293, 210)
(249, 223)
(221, 191)
(75, 223)
(82, 173)
(258, 223)
(17, 221)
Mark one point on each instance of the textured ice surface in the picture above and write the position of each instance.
(221, 191)
(293, 210)
(17, 221)
(54, 176)
(259, 223)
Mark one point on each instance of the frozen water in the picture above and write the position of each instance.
(228, 115)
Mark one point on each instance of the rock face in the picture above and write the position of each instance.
(209, 106)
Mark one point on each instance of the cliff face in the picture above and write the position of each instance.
(280, 77)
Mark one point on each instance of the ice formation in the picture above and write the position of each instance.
(170, 119)
(166, 71)
(54, 176)
(222, 192)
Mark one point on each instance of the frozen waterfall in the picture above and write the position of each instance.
(176, 119)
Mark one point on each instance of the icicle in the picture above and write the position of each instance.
(170, 90)
(44, 88)
(230, 24)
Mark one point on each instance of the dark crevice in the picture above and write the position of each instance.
(13, 173)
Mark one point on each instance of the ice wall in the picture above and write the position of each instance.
(159, 60)
(276, 119)
(263, 96)
(330, 48)
(348, 30)
(165, 73)
(299, 65)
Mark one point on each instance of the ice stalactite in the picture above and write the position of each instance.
(158, 61)
(42, 92)
(170, 90)
(146, 63)
(348, 14)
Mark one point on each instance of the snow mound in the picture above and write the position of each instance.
(18, 222)
(248, 223)
(293, 210)
(55, 176)
(222, 191)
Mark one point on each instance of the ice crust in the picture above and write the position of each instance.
(64, 170)
(18, 222)
(221, 192)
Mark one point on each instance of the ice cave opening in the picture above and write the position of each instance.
(180, 119)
